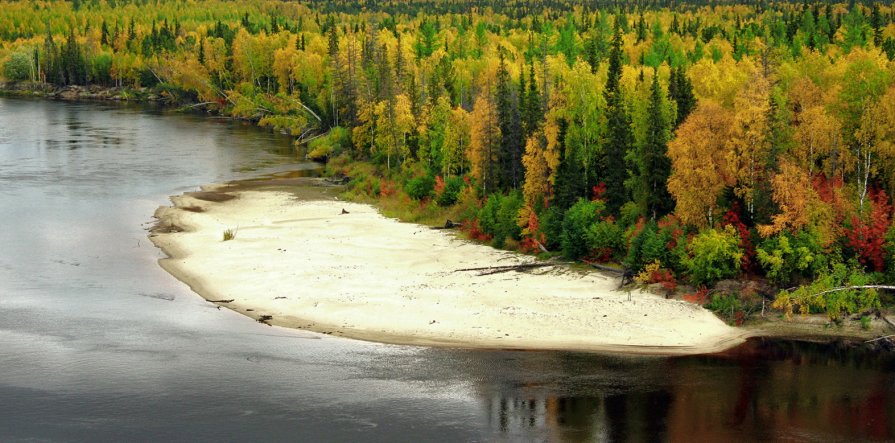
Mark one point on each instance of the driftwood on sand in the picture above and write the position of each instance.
(449, 224)
(488, 270)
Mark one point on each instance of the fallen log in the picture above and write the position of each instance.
(889, 322)
(850, 288)
(607, 268)
(221, 301)
(626, 274)
(488, 270)
(880, 338)
(449, 224)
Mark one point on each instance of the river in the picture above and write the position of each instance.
(98, 343)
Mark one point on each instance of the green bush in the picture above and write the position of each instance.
(421, 187)
(101, 69)
(785, 258)
(607, 239)
(147, 78)
(713, 255)
(576, 224)
(814, 298)
(507, 227)
(452, 188)
(497, 217)
(725, 306)
(19, 66)
(488, 214)
(551, 225)
(329, 145)
(889, 247)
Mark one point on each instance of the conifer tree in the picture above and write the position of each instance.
(532, 114)
(511, 140)
(618, 132)
(681, 91)
(652, 161)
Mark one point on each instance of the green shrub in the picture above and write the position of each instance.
(487, 216)
(497, 217)
(101, 69)
(785, 257)
(147, 78)
(507, 226)
(814, 298)
(329, 145)
(713, 255)
(551, 225)
(889, 247)
(629, 213)
(451, 191)
(420, 187)
(606, 239)
(656, 242)
(19, 66)
(576, 224)
(725, 306)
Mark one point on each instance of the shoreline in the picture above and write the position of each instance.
(298, 262)
(77, 93)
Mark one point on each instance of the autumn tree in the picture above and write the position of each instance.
(748, 146)
(699, 168)
(457, 140)
(484, 143)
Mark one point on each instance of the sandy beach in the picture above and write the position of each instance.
(307, 265)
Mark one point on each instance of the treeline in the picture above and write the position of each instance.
(690, 142)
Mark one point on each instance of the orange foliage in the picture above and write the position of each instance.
(699, 297)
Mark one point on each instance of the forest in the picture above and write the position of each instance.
(690, 142)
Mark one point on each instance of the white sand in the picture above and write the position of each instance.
(365, 276)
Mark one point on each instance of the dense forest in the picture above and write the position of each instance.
(691, 142)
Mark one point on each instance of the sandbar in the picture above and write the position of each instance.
(342, 268)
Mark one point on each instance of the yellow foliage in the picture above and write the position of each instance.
(699, 166)
(645, 276)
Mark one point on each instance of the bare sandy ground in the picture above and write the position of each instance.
(364, 276)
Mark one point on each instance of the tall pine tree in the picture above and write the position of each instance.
(653, 165)
(618, 132)
(681, 91)
(511, 140)
(532, 115)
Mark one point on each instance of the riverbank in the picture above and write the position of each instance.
(79, 93)
(301, 262)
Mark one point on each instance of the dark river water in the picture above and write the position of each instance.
(98, 343)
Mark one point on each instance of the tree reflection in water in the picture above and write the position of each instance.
(763, 390)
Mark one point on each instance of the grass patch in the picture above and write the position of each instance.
(229, 234)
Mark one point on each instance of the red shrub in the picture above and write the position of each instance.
(476, 233)
(439, 186)
(665, 278)
(533, 237)
(387, 188)
(671, 223)
(699, 297)
(732, 218)
(598, 191)
(867, 237)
